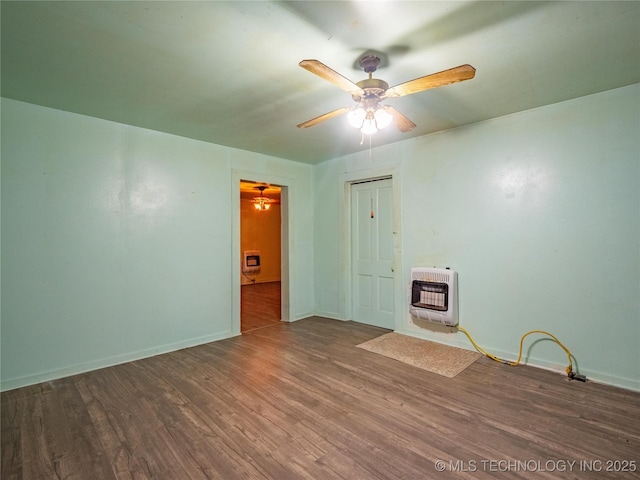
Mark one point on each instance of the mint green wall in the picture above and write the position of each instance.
(539, 212)
(117, 241)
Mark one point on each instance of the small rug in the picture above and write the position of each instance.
(431, 356)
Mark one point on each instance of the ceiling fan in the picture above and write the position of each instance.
(369, 114)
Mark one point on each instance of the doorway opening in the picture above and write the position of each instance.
(261, 255)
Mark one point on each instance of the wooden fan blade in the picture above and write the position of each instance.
(322, 118)
(402, 122)
(320, 69)
(440, 79)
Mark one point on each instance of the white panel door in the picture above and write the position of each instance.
(372, 253)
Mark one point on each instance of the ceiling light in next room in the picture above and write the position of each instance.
(261, 202)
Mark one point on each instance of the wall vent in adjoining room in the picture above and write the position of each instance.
(433, 295)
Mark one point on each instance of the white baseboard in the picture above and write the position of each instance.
(330, 315)
(14, 383)
(598, 377)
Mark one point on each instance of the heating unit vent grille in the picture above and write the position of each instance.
(431, 276)
(433, 295)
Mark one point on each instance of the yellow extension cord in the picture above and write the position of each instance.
(569, 369)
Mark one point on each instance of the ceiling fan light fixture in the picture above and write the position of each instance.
(369, 120)
(369, 125)
(382, 117)
(356, 116)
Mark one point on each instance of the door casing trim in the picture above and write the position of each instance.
(345, 294)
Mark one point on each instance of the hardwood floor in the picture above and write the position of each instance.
(300, 401)
(260, 305)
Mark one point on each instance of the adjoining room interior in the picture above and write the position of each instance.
(260, 242)
(501, 142)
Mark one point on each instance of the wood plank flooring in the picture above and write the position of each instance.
(300, 401)
(260, 305)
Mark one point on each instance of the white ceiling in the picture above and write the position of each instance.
(227, 72)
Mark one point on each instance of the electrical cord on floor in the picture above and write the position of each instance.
(570, 373)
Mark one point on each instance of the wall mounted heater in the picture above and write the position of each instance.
(434, 295)
(251, 262)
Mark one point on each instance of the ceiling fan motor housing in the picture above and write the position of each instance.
(373, 88)
(369, 63)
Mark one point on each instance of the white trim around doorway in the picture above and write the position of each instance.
(287, 196)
